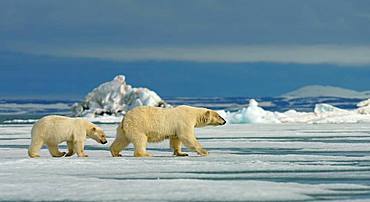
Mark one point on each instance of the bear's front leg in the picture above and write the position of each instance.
(79, 148)
(175, 144)
(70, 149)
(188, 138)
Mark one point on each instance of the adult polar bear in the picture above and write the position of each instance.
(52, 130)
(154, 124)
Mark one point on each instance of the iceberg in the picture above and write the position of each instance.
(252, 114)
(109, 102)
(115, 98)
(364, 107)
(323, 113)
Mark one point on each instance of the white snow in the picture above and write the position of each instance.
(323, 113)
(247, 162)
(115, 98)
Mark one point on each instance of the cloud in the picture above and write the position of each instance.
(302, 54)
(169, 23)
(286, 31)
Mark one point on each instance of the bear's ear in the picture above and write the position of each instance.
(207, 116)
(93, 129)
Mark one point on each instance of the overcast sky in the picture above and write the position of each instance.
(232, 43)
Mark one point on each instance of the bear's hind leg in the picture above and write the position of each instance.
(54, 151)
(140, 143)
(33, 150)
(118, 145)
(175, 144)
(70, 149)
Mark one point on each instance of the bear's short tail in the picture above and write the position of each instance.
(119, 130)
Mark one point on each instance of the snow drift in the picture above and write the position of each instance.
(115, 98)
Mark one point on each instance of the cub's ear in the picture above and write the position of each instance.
(93, 129)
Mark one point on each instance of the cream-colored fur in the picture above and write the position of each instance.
(154, 124)
(52, 130)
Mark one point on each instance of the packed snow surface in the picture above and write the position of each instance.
(115, 98)
(247, 162)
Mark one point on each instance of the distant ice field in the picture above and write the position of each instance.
(28, 111)
(247, 162)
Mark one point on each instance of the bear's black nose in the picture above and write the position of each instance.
(104, 142)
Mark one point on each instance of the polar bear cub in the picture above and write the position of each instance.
(153, 124)
(53, 130)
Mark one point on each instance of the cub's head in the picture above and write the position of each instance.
(97, 134)
(211, 118)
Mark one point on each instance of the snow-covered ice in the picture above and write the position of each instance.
(247, 162)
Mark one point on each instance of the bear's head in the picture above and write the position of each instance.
(212, 118)
(97, 134)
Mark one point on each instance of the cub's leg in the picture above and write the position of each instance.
(70, 149)
(119, 143)
(33, 150)
(175, 144)
(187, 137)
(78, 147)
(54, 151)
(140, 143)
